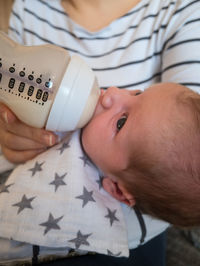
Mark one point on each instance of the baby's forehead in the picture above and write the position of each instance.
(164, 97)
(158, 110)
(159, 98)
(165, 89)
(156, 115)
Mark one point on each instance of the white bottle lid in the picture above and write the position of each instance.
(76, 99)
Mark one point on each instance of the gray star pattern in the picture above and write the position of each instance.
(64, 146)
(51, 223)
(58, 181)
(4, 188)
(24, 203)
(80, 240)
(37, 168)
(112, 254)
(111, 216)
(85, 160)
(86, 197)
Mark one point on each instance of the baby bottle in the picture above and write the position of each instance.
(45, 87)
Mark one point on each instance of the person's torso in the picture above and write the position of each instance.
(127, 53)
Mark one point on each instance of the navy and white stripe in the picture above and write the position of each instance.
(156, 41)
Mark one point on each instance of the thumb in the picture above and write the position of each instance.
(6, 115)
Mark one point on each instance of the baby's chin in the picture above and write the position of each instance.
(85, 145)
(87, 132)
(84, 139)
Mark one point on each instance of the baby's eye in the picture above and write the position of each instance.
(121, 122)
(138, 93)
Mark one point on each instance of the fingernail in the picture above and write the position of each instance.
(49, 139)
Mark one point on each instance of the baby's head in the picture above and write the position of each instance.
(148, 146)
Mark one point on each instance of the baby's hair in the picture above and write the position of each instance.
(167, 184)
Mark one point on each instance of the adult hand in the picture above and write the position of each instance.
(20, 142)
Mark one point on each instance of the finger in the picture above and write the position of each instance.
(18, 143)
(17, 157)
(6, 115)
(18, 128)
(15, 126)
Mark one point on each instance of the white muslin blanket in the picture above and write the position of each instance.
(56, 200)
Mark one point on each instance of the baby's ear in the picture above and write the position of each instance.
(118, 191)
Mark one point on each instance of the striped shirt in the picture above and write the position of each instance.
(156, 41)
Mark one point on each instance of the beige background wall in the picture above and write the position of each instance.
(5, 8)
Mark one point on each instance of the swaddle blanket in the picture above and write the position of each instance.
(56, 200)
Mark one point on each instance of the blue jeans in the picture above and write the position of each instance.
(150, 254)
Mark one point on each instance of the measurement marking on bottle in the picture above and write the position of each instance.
(11, 83)
(30, 91)
(21, 87)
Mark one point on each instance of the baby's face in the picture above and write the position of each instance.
(125, 121)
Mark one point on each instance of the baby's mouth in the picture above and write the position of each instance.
(99, 106)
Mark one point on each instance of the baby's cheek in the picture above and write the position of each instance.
(87, 139)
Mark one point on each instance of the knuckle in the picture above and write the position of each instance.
(2, 125)
(33, 133)
(9, 155)
(27, 155)
(14, 156)
(9, 141)
(2, 139)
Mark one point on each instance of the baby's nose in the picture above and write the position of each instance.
(111, 96)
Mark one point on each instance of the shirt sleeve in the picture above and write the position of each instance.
(181, 48)
(16, 21)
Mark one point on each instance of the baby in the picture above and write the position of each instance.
(148, 146)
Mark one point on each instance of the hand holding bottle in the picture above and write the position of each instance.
(20, 142)
(45, 87)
